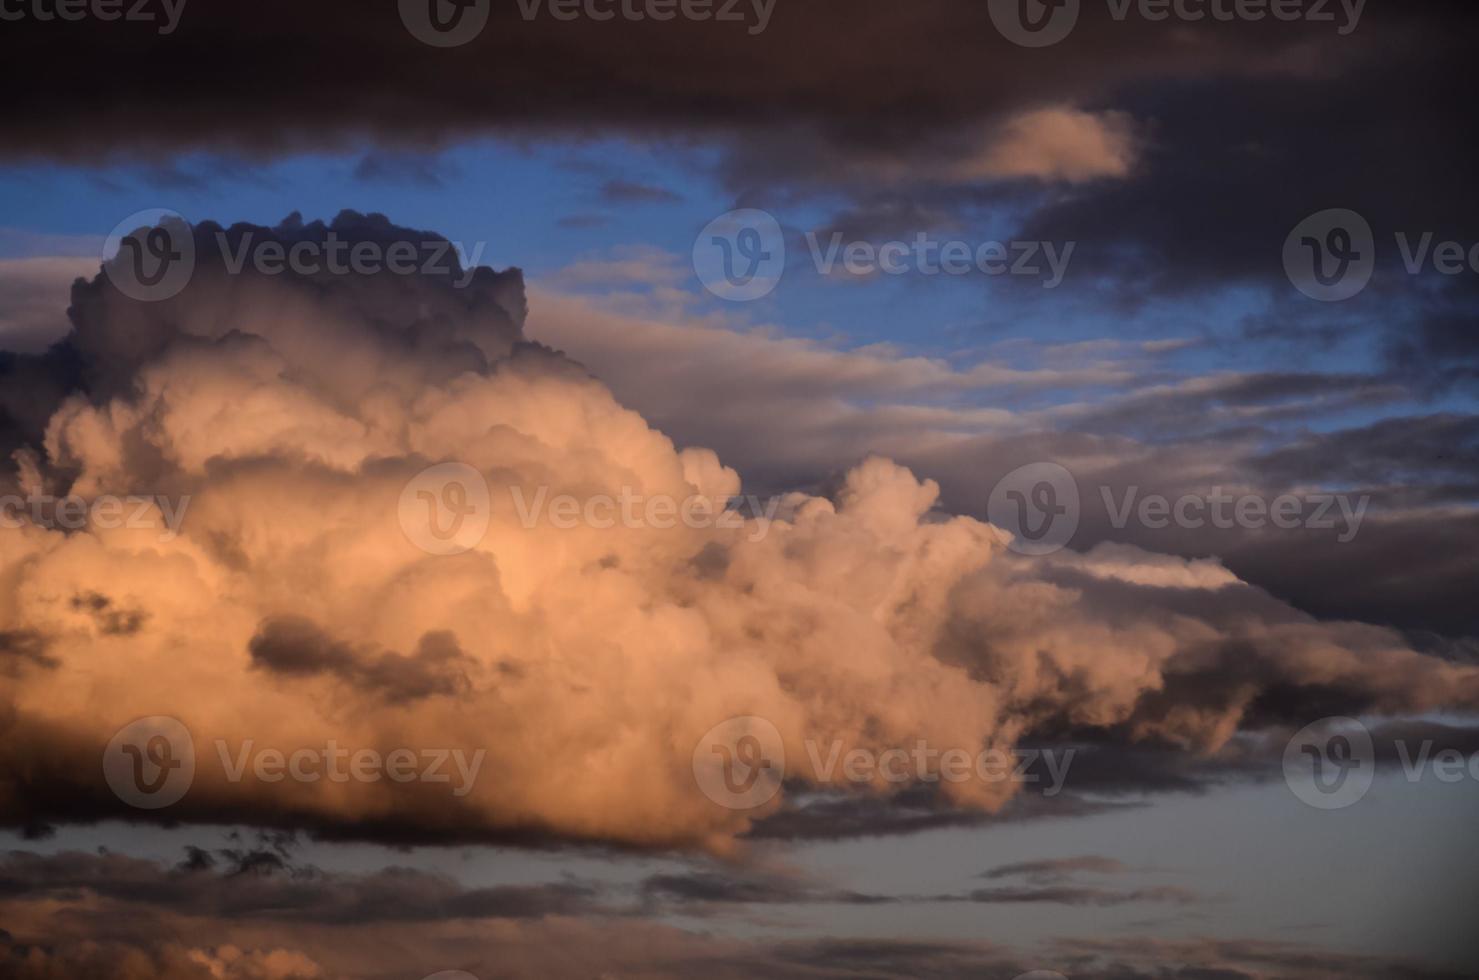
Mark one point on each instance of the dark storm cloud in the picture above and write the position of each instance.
(109, 618)
(1433, 459)
(20, 649)
(1058, 868)
(104, 916)
(292, 646)
(735, 887)
(916, 809)
(342, 70)
(1069, 895)
(263, 885)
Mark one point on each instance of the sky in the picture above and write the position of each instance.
(940, 490)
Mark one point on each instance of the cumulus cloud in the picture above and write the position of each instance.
(587, 662)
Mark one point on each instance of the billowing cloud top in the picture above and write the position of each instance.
(291, 610)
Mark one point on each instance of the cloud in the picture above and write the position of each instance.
(294, 647)
(779, 97)
(1066, 895)
(292, 611)
(1059, 144)
(1118, 415)
(1058, 868)
(630, 192)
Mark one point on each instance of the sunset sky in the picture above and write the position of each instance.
(785, 489)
